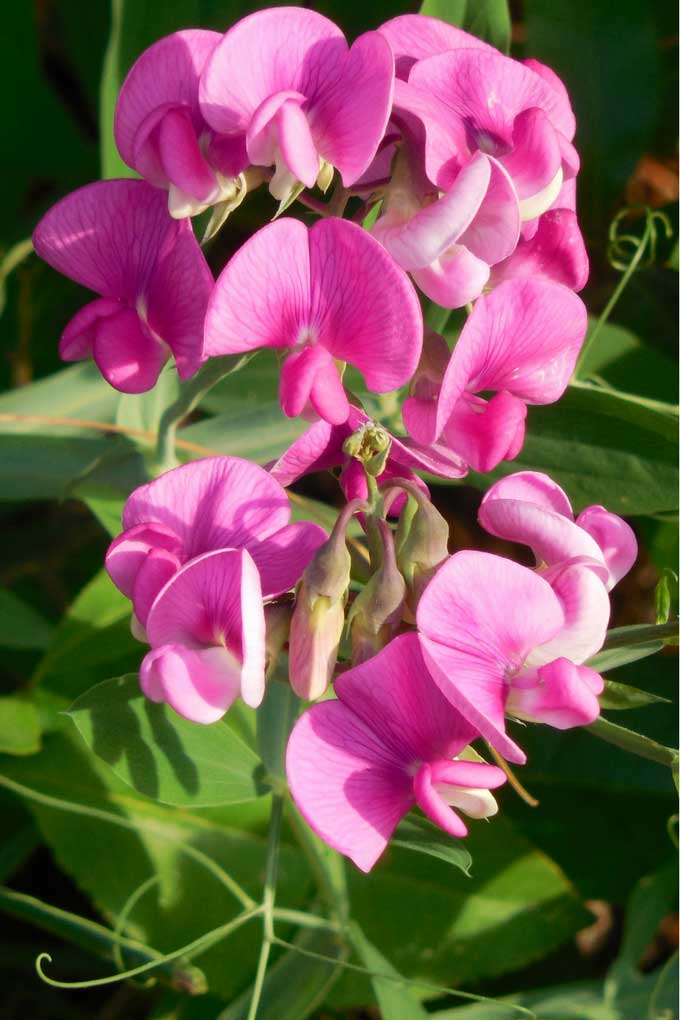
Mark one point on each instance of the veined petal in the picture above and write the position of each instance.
(127, 552)
(486, 432)
(416, 36)
(180, 155)
(282, 557)
(535, 156)
(310, 377)
(348, 786)
(555, 252)
(78, 337)
(126, 353)
(586, 609)
(317, 449)
(494, 232)
(200, 685)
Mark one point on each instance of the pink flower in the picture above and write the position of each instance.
(320, 449)
(476, 99)
(554, 251)
(206, 629)
(416, 36)
(522, 340)
(325, 296)
(161, 133)
(449, 242)
(117, 239)
(207, 505)
(529, 507)
(284, 86)
(357, 765)
(497, 639)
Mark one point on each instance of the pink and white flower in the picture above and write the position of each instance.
(117, 239)
(500, 639)
(390, 742)
(521, 340)
(284, 86)
(208, 505)
(325, 296)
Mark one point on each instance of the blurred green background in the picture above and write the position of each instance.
(538, 874)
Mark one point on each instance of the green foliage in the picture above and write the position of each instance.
(487, 19)
(19, 726)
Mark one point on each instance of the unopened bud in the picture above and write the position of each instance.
(319, 615)
(376, 613)
(423, 540)
(370, 444)
(277, 617)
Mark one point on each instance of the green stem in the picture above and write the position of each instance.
(302, 919)
(622, 637)
(214, 370)
(618, 291)
(95, 937)
(268, 898)
(634, 743)
(327, 866)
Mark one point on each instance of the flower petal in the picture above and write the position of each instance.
(454, 279)
(127, 553)
(615, 538)
(348, 787)
(199, 685)
(415, 36)
(566, 696)
(181, 157)
(128, 356)
(282, 557)
(486, 432)
(586, 609)
(555, 252)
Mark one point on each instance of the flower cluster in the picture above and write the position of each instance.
(458, 169)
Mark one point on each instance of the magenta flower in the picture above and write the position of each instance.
(529, 507)
(476, 99)
(498, 640)
(357, 765)
(320, 449)
(522, 341)
(416, 36)
(206, 629)
(161, 133)
(554, 251)
(207, 505)
(117, 239)
(324, 296)
(448, 243)
(284, 86)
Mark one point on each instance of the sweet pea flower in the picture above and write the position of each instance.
(284, 87)
(555, 250)
(320, 448)
(521, 340)
(325, 296)
(476, 99)
(449, 241)
(498, 640)
(161, 133)
(117, 239)
(206, 629)
(357, 765)
(529, 507)
(413, 37)
(207, 505)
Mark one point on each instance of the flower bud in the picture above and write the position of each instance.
(376, 613)
(277, 617)
(422, 540)
(370, 444)
(319, 615)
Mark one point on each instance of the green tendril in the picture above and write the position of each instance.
(129, 905)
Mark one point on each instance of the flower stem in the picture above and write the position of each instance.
(635, 743)
(268, 898)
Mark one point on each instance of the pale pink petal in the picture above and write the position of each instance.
(555, 252)
(494, 232)
(615, 538)
(454, 279)
(310, 377)
(216, 600)
(394, 694)
(349, 788)
(128, 356)
(181, 156)
(282, 557)
(529, 487)
(271, 51)
(549, 76)
(350, 109)
(485, 432)
(154, 573)
(363, 305)
(78, 337)
(535, 156)
(200, 685)
(165, 75)
(433, 805)
(262, 296)
(586, 609)
(420, 240)
(127, 553)
(215, 503)
(439, 130)
(415, 36)
(489, 90)
(565, 696)
(285, 131)
(472, 774)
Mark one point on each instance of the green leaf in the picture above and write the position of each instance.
(601, 448)
(641, 633)
(110, 856)
(634, 743)
(418, 834)
(275, 719)
(160, 754)
(260, 433)
(613, 658)
(487, 19)
(626, 363)
(19, 726)
(21, 626)
(621, 696)
(395, 997)
(143, 410)
(78, 392)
